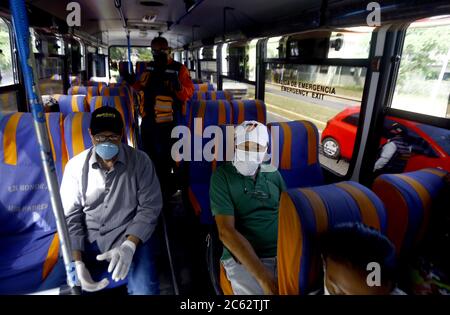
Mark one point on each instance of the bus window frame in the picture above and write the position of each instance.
(22, 104)
(330, 175)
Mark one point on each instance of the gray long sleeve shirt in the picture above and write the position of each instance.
(107, 206)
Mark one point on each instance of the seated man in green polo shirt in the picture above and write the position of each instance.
(244, 200)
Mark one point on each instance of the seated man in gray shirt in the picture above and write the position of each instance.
(112, 199)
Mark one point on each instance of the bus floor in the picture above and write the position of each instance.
(187, 244)
(188, 248)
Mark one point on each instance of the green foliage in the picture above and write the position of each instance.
(5, 56)
(144, 54)
(423, 49)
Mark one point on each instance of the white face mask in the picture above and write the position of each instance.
(247, 162)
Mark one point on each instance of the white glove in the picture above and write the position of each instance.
(87, 284)
(120, 259)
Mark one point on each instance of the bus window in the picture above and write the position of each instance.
(208, 65)
(423, 83)
(49, 62)
(273, 48)
(120, 53)
(327, 95)
(6, 61)
(239, 90)
(8, 99)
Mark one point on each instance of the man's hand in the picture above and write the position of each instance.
(87, 284)
(120, 259)
(268, 283)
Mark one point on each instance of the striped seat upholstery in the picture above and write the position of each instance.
(124, 68)
(249, 110)
(72, 104)
(304, 214)
(199, 95)
(121, 103)
(78, 90)
(89, 91)
(213, 113)
(122, 90)
(99, 85)
(29, 245)
(76, 133)
(295, 151)
(203, 87)
(219, 95)
(408, 199)
(141, 66)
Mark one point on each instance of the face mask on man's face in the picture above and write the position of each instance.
(107, 150)
(247, 162)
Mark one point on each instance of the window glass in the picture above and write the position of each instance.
(273, 47)
(6, 61)
(423, 83)
(351, 43)
(328, 95)
(225, 59)
(409, 146)
(352, 119)
(250, 70)
(239, 90)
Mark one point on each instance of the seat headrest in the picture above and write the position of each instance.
(306, 213)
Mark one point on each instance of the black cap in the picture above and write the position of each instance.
(106, 119)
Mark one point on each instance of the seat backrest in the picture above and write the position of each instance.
(212, 113)
(99, 85)
(249, 110)
(76, 133)
(72, 104)
(124, 68)
(121, 103)
(78, 90)
(306, 213)
(203, 87)
(29, 244)
(295, 151)
(219, 95)
(199, 95)
(408, 198)
(141, 66)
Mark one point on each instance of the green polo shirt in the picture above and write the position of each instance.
(253, 203)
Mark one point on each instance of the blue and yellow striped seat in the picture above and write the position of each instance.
(98, 85)
(295, 151)
(219, 95)
(72, 104)
(212, 113)
(203, 87)
(306, 213)
(76, 133)
(121, 103)
(408, 198)
(141, 66)
(124, 68)
(29, 245)
(78, 90)
(249, 110)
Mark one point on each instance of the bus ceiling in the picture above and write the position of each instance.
(184, 22)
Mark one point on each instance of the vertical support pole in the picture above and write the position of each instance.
(26, 57)
(130, 65)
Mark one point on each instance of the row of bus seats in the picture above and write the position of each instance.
(29, 244)
(89, 98)
(398, 205)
